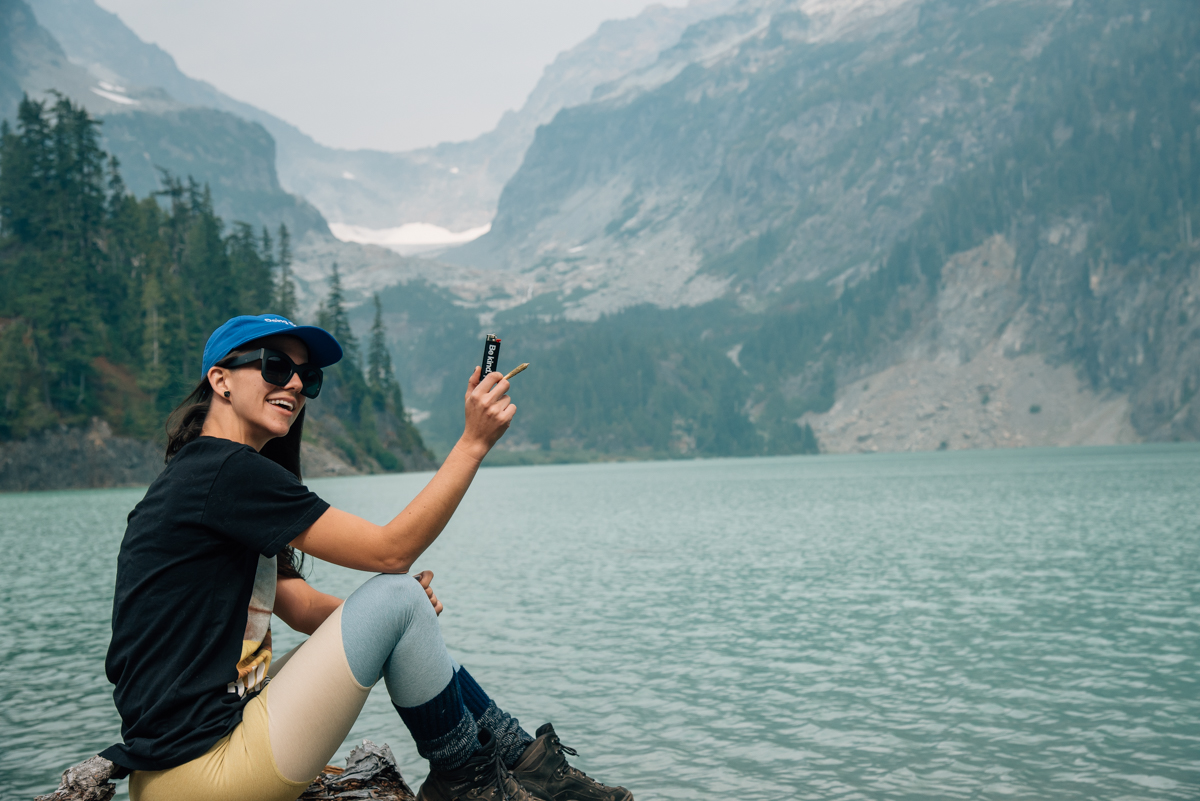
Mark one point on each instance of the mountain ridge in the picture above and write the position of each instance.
(453, 184)
(808, 197)
(147, 129)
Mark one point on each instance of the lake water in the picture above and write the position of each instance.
(1007, 624)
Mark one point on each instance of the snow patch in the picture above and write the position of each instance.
(409, 238)
(114, 97)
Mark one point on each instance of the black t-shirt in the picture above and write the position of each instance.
(195, 587)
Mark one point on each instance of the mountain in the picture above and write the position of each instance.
(148, 129)
(453, 185)
(880, 224)
(908, 225)
(106, 301)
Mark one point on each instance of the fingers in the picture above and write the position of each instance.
(424, 578)
(490, 382)
(473, 381)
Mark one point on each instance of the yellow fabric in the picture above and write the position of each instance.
(239, 767)
(303, 716)
(314, 702)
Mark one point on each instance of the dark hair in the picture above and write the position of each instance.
(187, 420)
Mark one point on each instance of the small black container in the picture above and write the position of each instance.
(491, 355)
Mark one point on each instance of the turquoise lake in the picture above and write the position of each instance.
(1016, 624)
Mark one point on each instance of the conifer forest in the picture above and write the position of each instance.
(106, 300)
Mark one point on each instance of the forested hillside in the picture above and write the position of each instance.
(452, 184)
(106, 300)
(955, 224)
(147, 128)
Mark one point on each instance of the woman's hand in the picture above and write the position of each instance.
(425, 577)
(488, 410)
(350, 541)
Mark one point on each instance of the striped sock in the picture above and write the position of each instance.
(511, 739)
(445, 733)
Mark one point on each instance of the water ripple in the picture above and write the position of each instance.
(1020, 624)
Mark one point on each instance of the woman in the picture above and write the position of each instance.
(207, 559)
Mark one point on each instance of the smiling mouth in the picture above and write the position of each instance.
(283, 404)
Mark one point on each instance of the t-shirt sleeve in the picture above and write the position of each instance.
(259, 504)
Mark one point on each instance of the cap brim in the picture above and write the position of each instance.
(323, 349)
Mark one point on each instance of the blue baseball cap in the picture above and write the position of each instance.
(323, 349)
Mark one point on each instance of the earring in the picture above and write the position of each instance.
(227, 393)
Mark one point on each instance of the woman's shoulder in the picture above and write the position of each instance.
(203, 457)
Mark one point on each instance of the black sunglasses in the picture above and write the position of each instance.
(278, 369)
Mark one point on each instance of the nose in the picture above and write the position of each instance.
(294, 383)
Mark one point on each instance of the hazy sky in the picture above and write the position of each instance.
(386, 74)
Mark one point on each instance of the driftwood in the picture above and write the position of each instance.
(87, 781)
(370, 773)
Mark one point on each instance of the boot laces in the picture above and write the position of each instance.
(494, 773)
(566, 749)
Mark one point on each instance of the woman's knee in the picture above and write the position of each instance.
(396, 596)
(375, 618)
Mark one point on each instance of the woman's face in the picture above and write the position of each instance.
(259, 404)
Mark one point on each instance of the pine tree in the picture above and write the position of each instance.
(381, 376)
(251, 274)
(334, 319)
(106, 301)
(285, 288)
(379, 362)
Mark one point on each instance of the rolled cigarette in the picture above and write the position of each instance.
(516, 370)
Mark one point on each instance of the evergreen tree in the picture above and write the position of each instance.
(266, 255)
(334, 319)
(381, 376)
(106, 301)
(379, 362)
(285, 288)
(251, 273)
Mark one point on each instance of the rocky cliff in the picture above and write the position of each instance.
(454, 185)
(145, 127)
(910, 224)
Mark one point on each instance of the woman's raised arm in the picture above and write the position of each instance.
(348, 540)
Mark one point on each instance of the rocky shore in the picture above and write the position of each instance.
(72, 458)
(96, 458)
(370, 772)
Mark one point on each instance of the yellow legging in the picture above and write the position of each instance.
(288, 732)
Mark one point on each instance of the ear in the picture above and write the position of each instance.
(218, 379)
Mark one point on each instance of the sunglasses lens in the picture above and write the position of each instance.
(311, 378)
(276, 371)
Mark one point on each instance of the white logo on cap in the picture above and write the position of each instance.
(279, 320)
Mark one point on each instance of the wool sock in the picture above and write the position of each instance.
(445, 732)
(511, 739)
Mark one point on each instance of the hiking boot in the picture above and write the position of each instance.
(483, 777)
(543, 770)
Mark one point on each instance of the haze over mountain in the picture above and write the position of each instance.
(453, 185)
(913, 225)
(902, 223)
(147, 128)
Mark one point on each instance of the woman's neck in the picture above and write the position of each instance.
(223, 423)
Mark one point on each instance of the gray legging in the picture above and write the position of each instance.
(387, 628)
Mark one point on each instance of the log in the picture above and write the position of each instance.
(370, 773)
